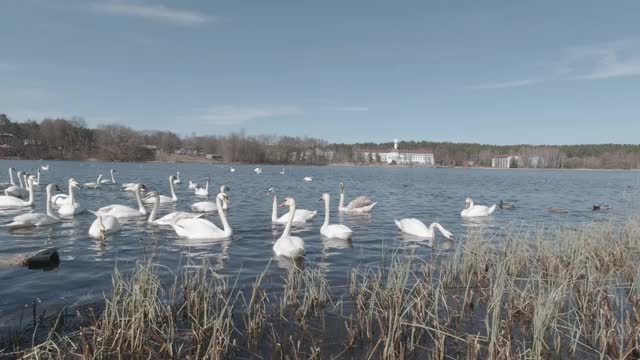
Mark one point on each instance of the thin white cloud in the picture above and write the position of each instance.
(151, 12)
(502, 85)
(232, 115)
(605, 61)
(354, 108)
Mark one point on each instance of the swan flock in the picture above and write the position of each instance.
(194, 225)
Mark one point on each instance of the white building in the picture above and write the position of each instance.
(398, 156)
(504, 161)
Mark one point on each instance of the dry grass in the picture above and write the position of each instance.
(565, 293)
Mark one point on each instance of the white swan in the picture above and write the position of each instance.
(472, 210)
(103, 225)
(209, 206)
(37, 180)
(300, 217)
(60, 199)
(282, 172)
(163, 198)
(122, 211)
(111, 181)
(170, 218)
(192, 185)
(70, 206)
(133, 187)
(333, 231)
(287, 245)
(416, 227)
(37, 219)
(308, 179)
(93, 185)
(45, 167)
(177, 179)
(197, 228)
(7, 201)
(202, 191)
(361, 204)
(232, 170)
(5, 185)
(18, 190)
(258, 170)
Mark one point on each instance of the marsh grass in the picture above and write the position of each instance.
(534, 294)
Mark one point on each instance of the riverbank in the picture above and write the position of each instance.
(561, 293)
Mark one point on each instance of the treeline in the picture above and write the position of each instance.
(72, 139)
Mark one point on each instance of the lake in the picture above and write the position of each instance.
(429, 194)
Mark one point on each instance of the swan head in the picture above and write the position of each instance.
(171, 178)
(288, 202)
(325, 197)
(224, 188)
(271, 191)
(224, 198)
(112, 171)
(74, 183)
(52, 188)
(468, 203)
(341, 187)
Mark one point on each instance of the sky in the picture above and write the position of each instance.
(497, 72)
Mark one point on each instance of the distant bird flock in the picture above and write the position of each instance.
(19, 193)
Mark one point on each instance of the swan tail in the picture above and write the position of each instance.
(398, 224)
(492, 209)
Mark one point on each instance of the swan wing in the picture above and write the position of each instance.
(413, 227)
(197, 228)
(304, 214)
(204, 206)
(10, 201)
(176, 216)
(359, 202)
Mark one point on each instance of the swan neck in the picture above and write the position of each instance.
(341, 204)
(38, 176)
(223, 217)
(49, 202)
(139, 200)
(30, 185)
(113, 179)
(292, 213)
(326, 212)
(11, 176)
(173, 192)
(154, 211)
(71, 197)
(20, 180)
(274, 210)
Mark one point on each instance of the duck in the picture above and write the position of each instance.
(333, 231)
(198, 228)
(601, 207)
(287, 245)
(504, 205)
(103, 225)
(37, 219)
(361, 204)
(300, 217)
(472, 210)
(417, 228)
(122, 211)
(170, 218)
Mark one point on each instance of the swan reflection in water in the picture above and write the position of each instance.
(206, 248)
(295, 264)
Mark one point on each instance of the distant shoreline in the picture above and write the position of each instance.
(199, 160)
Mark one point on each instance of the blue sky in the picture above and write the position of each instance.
(545, 72)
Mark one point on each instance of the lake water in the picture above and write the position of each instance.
(428, 194)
